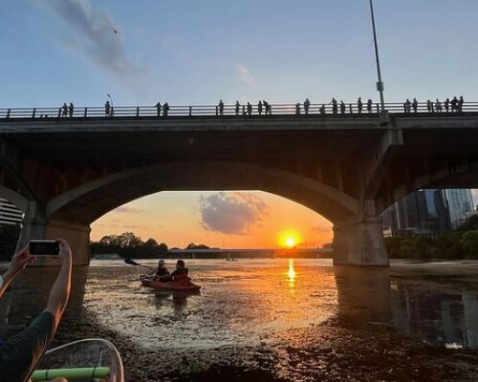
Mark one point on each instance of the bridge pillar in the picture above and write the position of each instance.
(33, 225)
(77, 235)
(36, 227)
(360, 243)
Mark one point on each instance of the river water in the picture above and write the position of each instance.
(272, 320)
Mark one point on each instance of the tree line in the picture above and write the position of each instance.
(129, 245)
(455, 245)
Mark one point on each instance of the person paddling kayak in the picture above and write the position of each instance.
(161, 270)
(180, 269)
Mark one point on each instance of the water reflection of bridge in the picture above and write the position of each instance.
(366, 297)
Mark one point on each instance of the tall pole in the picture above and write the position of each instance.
(380, 86)
(112, 105)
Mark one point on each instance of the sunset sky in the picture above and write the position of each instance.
(199, 51)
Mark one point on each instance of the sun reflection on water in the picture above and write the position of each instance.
(291, 273)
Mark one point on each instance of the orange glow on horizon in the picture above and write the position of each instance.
(175, 219)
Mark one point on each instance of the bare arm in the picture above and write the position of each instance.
(60, 292)
(18, 263)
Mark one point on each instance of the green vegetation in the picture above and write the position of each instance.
(128, 245)
(455, 245)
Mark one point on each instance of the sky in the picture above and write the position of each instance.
(191, 52)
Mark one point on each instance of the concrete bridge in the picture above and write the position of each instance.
(67, 171)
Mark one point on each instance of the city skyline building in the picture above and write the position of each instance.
(428, 212)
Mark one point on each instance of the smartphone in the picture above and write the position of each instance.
(44, 247)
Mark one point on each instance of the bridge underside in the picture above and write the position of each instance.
(65, 174)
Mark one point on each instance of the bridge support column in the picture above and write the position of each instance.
(360, 243)
(33, 226)
(77, 235)
(36, 227)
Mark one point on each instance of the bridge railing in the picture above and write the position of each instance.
(228, 110)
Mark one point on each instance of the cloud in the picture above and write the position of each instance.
(95, 35)
(128, 210)
(321, 229)
(119, 225)
(244, 74)
(231, 214)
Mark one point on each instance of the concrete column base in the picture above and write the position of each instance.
(77, 235)
(34, 227)
(360, 243)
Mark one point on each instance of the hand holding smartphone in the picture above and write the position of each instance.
(44, 247)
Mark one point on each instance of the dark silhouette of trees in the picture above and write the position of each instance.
(469, 224)
(128, 245)
(199, 246)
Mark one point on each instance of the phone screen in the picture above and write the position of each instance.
(44, 248)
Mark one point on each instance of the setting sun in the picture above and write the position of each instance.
(289, 239)
(290, 242)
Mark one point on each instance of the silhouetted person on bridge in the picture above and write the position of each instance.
(342, 107)
(259, 107)
(238, 107)
(306, 106)
(64, 110)
(322, 109)
(107, 109)
(447, 105)
(369, 105)
(165, 109)
(267, 107)
(334, 106)
(297, 108)
(438, 107)
(221, 107)
(71, 109)
(454, 104)
(407, 106)
(430, 106)
(360, 105)
(249, 108)
(461, 101)
(415, 105)
(158, 109)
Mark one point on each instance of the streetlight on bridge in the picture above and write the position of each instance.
(380, 86)
(112, 105)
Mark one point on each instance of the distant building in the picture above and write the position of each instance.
(9, 213)
(428, 212)
(460, 205)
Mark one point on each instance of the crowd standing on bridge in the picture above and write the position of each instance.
(454, 105)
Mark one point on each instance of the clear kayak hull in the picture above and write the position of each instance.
(81, 361)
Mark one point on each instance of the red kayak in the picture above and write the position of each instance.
(179, 283)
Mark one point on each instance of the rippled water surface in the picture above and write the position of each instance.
(273, 320)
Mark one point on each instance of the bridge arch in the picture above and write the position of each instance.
(86, 203)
